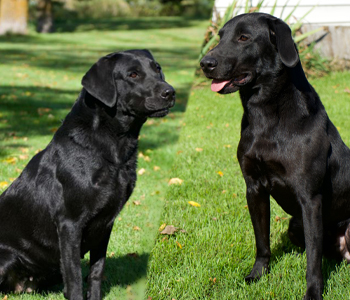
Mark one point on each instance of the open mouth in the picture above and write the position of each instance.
(234, 84)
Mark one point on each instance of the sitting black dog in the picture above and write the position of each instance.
(66, 199)
(289, 148)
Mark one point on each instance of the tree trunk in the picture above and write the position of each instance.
(13, 16)
(45, 18)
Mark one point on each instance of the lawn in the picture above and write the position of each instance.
(213, 248)
(40, 80)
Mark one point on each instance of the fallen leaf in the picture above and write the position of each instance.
(156, 168)
(277, 218)
(149, 298)
(162, 227)
(133, 255)
(175, 181)
(111, 254)
(178, 244)
(220, 173)
(195, 204)
(227, 146)
(223, 192)
(347, 90)
(338, 128)
(141, 171)
(183, 231)
(10, 160)
(169, 229)
(234, 195)
(4, 184)
(199, 149)
(5, 298)
(23, 156)
(136, 228)
(179, 152)
(24, 150)
(136, 202)
(214, 219)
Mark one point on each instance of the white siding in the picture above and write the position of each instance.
(325, 12)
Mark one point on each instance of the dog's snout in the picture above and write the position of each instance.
(168, 94)
(208, 63)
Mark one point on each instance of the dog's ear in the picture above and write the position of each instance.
(148, 53)
(99, 80)
(284, 42)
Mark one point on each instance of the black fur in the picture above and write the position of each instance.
(289, 148)
(66, 199)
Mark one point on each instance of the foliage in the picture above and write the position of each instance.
(123, 8)
(211, 37)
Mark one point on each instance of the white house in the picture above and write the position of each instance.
(333, 15)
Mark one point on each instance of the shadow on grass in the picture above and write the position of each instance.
(39, 111)
(136, 23)
(119, 272)
(286, 246)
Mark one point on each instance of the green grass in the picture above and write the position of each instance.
(218, 246)
(40, 80)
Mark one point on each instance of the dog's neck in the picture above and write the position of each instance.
(286, 93)
(92, 123)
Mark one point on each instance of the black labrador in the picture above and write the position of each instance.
(289, 148)
(66, 199)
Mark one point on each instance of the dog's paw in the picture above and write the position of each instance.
(256, 273)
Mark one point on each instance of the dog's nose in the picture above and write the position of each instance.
(208, 63)
(168, 94)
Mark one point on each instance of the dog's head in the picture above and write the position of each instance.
(133, 81)
(250, 45)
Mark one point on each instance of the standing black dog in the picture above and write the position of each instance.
(289, 148)
(66, 199)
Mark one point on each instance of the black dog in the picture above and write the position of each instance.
(66, 199)
(289, 148)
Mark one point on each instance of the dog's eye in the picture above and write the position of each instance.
(158, 68)
(133, 75)
(243, 38)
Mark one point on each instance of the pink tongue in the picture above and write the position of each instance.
(218, 85)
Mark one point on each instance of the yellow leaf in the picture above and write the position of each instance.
(234, 195)
(136, 228)
(177, 181)
(136, 202)
(199, 149)
(178, 244)
(220, 173)
(162, 227)
(11, 160)
(5, 298)
(156, 168)
(141, 171)
(338, 128)
(195, 204)
(23, 156)
(227, 146)
(4, 184)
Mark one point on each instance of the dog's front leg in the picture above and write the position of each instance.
(97, 264)
(69, 242)
(259, 207)
(313, 231)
